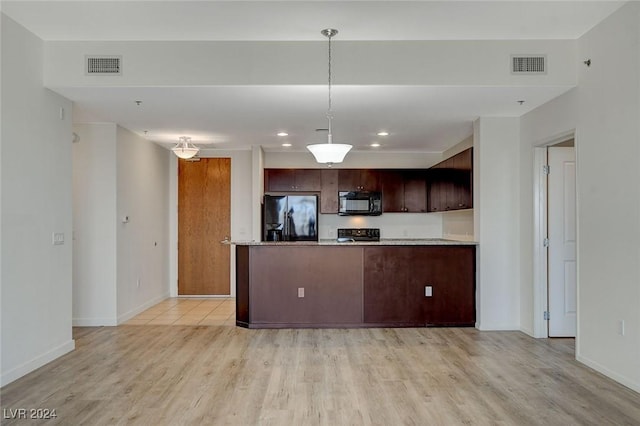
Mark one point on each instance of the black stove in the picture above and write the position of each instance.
(359, 234)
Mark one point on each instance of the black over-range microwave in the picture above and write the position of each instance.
(367, 203)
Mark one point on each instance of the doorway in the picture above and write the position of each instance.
(555, 228)
(204, 220)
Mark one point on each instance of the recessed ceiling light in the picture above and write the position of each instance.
(286, 144)
(283, 134)
(383, 133)
(375, 144)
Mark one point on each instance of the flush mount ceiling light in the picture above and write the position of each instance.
(329, 153)
(383, 133)
(185, 149)
(282, 134)
(375, 145)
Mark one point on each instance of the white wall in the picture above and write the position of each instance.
(496, 217)
(242, 208)
(118, 174)
(143, 243)
(444, 63)
(608, 151)
(36, 202)
(605, 111)
(257, 191)
(94, 225)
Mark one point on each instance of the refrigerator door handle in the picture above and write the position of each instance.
(286, 235)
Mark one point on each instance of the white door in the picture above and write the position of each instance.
(562, 242)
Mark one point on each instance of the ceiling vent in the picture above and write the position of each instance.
(528, 64)
(103, 65)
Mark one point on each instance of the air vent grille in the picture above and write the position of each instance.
(104, 65)
(528, 64)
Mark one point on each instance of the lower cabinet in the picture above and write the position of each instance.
(354, 286)
(395, 279)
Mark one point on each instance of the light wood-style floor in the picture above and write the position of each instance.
(217, 375)
(189, 311)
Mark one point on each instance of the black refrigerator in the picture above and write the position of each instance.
(290, 218)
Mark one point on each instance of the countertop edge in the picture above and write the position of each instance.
(389, 242)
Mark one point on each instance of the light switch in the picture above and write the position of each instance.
(300, 291)
(58, 238)
(428, 291)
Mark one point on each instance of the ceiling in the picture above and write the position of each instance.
(418, 118)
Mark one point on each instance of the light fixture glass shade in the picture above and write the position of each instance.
(185, 149)
(329, 153)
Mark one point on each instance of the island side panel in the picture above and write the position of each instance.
(331, 277)
(242, 286)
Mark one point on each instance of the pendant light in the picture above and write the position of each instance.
(185, 149)
(329, 153)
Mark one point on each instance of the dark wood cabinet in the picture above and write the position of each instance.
(395, 279)
(403, 191)
(287, 180)
(450, 184)
(463, 179)
(392, 185)
(415, 192)
(358, 180)
(329, 191)
(445, 186)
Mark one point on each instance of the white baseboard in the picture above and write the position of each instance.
(497, 327)
(37, 362)
(146, 305)
(94, 322)
(611, 374)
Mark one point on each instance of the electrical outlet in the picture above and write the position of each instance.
(138, 283)
(300, 292)
(621, 327)
(428, 291)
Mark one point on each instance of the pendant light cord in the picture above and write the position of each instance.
(329, 110)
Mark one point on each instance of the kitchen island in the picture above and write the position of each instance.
(390, 283)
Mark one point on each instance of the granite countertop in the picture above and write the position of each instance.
(382, 242)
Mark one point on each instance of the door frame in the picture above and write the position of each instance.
(540, 232)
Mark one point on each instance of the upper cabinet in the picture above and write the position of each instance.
(358, 180)
(329, 191)
(403, 191)
(451, 183)
(286, 180)
(445, 186)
